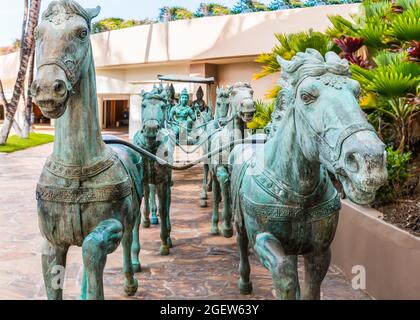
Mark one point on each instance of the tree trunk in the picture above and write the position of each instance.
(26, 50)
(27, 121)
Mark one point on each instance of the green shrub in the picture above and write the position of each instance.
(262, 116)
(398, 172)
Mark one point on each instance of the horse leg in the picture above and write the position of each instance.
(210, 181)
(146, 208)
(316, 267)
(104, 239)
(162, 192)
(135, 246)
(154, 219)
(53, 267)
(223, 178)
(282, 267)
(215, 211)
(168, 217)
(203, 194)
(245, 285)
(130, 283)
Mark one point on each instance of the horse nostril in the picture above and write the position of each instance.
(351, 162)
(59, 88)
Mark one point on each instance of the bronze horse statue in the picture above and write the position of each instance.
(207, 127)
(89, 193)
(154, 138)
(241, 111)
(285, 204)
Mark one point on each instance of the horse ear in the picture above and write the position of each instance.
(283, 63)
(94, 12)
(229, 89)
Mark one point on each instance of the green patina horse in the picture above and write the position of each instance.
(205, 127)
(154, 138)
(285, 204)
(89, 194)
(240, 111)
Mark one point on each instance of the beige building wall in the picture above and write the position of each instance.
(230, 73)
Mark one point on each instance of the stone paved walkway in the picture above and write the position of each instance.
(200, 266)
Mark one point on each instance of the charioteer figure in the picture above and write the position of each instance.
(182, 116)
(200, 108)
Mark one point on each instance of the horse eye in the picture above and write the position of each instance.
(307, 98)
(83, 33)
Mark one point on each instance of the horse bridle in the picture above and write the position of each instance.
(67, 65)
(328, 153)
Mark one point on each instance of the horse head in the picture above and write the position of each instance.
(222, 102)
(64, 54)
(330, 125)
(153, 108)
(242, 101)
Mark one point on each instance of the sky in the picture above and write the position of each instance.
(11, 11)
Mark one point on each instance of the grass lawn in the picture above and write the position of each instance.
(15, 143)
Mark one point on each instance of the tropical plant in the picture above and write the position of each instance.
(279, 5)
(394, 76)
(174, 13)
(211, 9)
(262, 115)
(314, 3)
(109, 24)
(246, 6)
(289, 45)
(398, 172)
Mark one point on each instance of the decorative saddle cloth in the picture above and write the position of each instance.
(81, 195)
(287, 205)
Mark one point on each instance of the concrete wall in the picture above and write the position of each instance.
(390, 256)
(230, 73)
(208, 38)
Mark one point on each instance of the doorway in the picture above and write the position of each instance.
(116, 114)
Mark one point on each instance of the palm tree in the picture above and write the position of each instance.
(28, 41)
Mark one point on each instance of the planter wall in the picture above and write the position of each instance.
(390, 256)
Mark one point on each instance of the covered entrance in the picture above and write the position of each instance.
(115, 114)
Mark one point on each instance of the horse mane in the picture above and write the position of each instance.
(306, 64)
(239, 85)
(311, 63)
(71, 8)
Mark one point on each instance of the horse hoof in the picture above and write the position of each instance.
(203, 204)
(145, 223)
(154, 221)
(169, 241)
(164, 250)
(130, 290)
(214, 231)
(227, 232)
(136, 267)
(203, 196)
(245, 288)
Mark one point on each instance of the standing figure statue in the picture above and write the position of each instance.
(182, 117)
(200, 108)
(89, 193)
(285, 204)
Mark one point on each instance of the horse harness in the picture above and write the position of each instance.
(82, 195)
(288, 205)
